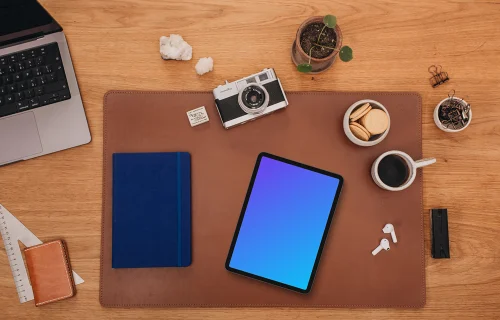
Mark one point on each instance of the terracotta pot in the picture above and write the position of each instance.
(318, 65)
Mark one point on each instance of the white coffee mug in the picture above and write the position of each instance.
(410, 163)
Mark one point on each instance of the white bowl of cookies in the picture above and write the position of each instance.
(366, 123)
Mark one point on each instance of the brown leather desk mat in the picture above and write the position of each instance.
(308, 131)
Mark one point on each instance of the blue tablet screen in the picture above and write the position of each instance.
(282, 228)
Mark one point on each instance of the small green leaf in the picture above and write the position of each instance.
(345, 54)
(330, 21)
(304, 67)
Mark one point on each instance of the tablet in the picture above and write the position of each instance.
(284, 223)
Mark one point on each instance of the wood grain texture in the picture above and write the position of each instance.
(114, 45)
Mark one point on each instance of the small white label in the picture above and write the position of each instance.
(197, 116)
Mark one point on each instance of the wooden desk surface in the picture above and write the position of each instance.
(114, 45)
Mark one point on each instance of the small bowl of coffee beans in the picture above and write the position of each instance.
(366, 123)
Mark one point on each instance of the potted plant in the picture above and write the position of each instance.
(317, 43)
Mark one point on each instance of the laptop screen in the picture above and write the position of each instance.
(21, 18)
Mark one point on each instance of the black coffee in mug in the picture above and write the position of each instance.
(393, 171)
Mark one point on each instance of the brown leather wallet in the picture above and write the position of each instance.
(50, 272)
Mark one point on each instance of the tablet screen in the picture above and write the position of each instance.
(284, 222)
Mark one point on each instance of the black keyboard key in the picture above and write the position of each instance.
(34, 103)
(18, 77)
(60, 72)
(30, 63)
(13, 58)
(23, 105)
(3, 61)
(23, 56)
(42, 51)
(64, 95)
(22, 86)
(31, 53)
(42, 80)
(39, 61)
(9, 79)
(3, 91)
(3, 71)
(38, 72)
(11, 68)
(32, 83)
(20, 66)
(48, 68)
(12, 87)
(2, 101)
(30, 93)
(19, 96)
(55, 87)
(9, 99)
(39, 91)
(52, 77)
(44, 100)
(8, 109)
(27, 74)
(49, 98)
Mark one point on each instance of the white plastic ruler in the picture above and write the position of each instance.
(12, 231)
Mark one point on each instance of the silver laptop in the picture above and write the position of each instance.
(41, 110)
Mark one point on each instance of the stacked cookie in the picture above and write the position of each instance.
(367, 121)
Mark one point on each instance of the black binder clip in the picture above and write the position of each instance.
(440, 247)
(438, 75)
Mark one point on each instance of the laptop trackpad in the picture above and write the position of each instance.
(19, 137)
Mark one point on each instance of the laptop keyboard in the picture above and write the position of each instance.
(32, 78)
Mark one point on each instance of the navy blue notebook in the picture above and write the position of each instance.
(151, 210)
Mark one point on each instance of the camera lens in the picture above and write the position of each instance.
(253, 98)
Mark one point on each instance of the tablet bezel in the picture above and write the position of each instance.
(325, 231)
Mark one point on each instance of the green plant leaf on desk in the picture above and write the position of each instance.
(330, 21)
(304, 67)
(345, 54)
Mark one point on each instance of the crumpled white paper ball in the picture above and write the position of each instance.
(204, 65)
(175, 48)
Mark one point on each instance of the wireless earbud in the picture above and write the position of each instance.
(384, 245)
(389, 228)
